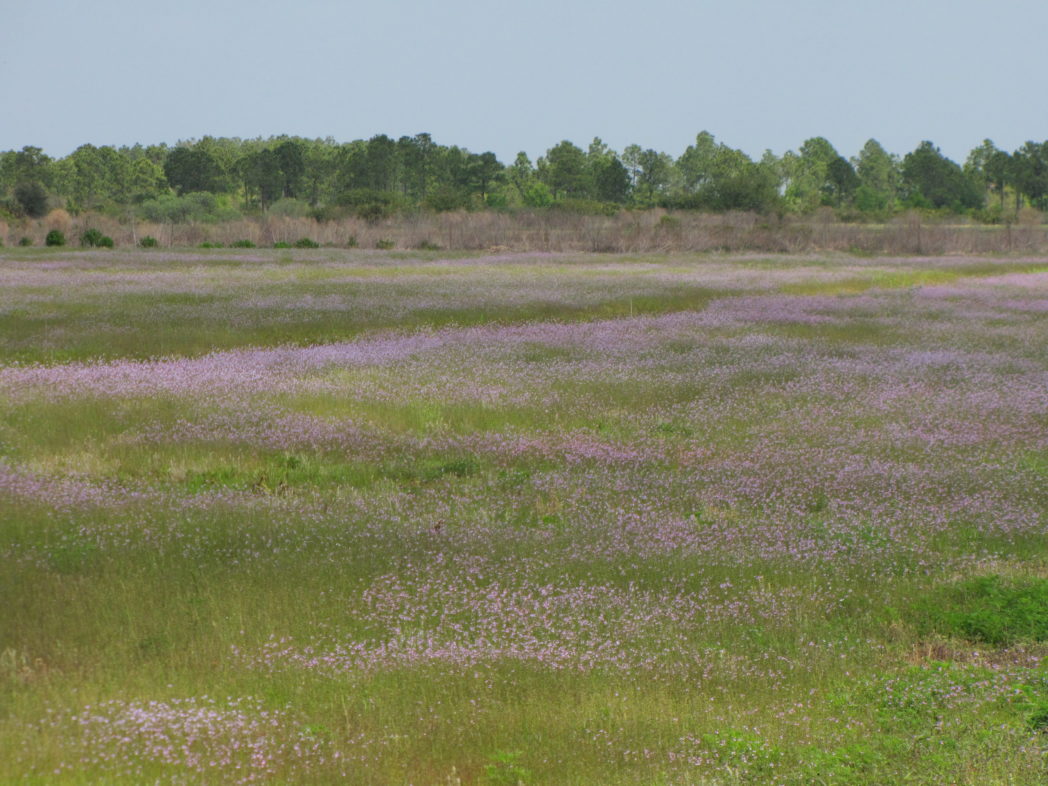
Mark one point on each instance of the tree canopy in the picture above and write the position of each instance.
(377, 176)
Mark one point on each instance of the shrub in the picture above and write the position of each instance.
(55, 238)
(497, 201)
(446, 199)
(305, 242)
(242, 244)
(374, 212)
(148, 242)
(25, 241)
(330, 212)
(281, 244)
(105, 242)
(385, 245)
(428, 245)
(209, 244)
(352, 242)
(369, 204)
(537, 195)
(91, 238)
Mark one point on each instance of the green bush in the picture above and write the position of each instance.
(242, 244)
(369, 204)
(105, 242)
(25, 241)
(497, 201)
(91, 238)
(209, 244)
(537, 195)
(198, 206)
(305, 242)
(148, 242)
(281, 244)
(385, 245)
(447, 198)
(55, 238)
(352, 242)
(428, 245)
(330, 212)
(988, 609)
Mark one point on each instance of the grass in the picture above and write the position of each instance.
(989, 610)
(585, 521)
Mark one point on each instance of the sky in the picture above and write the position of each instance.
(522, 76)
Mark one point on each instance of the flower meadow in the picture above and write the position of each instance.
(410, 518)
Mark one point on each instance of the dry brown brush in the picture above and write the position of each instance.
(649, 231)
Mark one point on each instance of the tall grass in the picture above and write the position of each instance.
(630, 231)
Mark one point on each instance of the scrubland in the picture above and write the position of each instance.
(545, 518)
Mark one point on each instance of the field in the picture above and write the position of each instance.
(436, 519)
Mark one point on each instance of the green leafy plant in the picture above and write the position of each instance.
(25, 241)
(55, 238)
(505, 770)
(242, 244)
(385, 245)
(988, 609)
(305, 242)
(93, 238)
(1038, 719)
(148, 242)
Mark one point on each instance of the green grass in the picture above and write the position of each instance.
(989, 610)
(780, 579)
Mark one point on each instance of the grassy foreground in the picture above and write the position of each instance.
(543, 519)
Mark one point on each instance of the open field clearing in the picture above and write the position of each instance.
(318, 516)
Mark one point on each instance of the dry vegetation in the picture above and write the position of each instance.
(649, 231)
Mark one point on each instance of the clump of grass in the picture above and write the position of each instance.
(988, 609)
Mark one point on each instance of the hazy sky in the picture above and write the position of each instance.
(509, 76)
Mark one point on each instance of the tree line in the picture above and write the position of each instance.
(214, 179)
